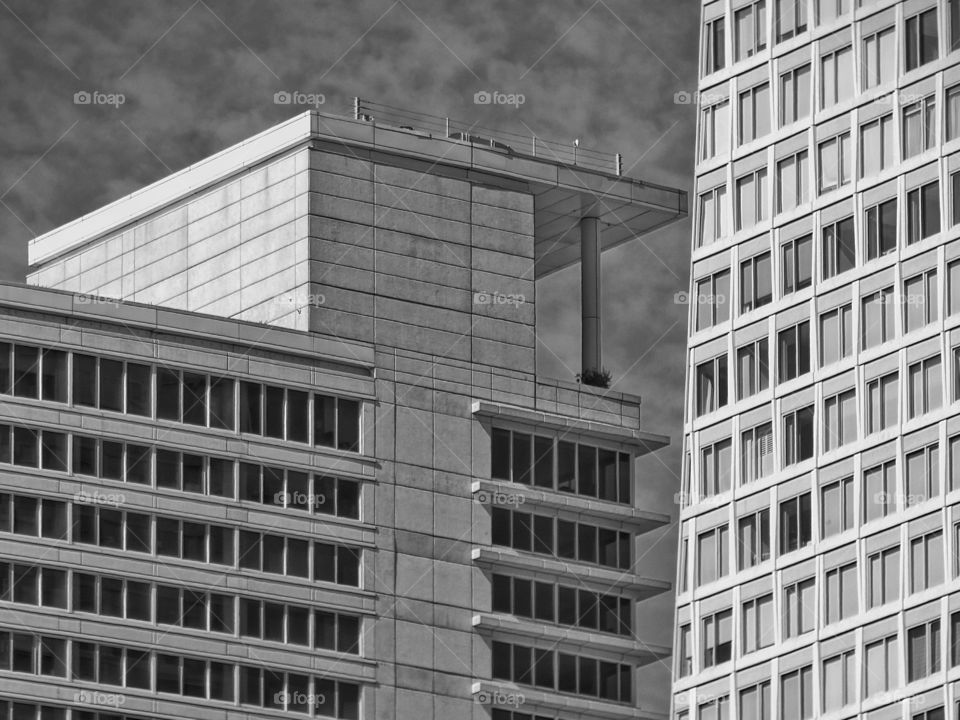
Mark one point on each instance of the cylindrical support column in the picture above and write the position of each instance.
(590, 288)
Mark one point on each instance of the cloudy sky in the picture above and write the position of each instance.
(200, 75)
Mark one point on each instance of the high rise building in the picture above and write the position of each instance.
(272, 441)
(820, 526)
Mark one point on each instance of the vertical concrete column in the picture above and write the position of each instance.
(590, 288)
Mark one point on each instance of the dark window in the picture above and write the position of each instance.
(168, 394)
(138, 464)
(84, 455)
(273, 415)
(55, 375)
(26, 371)
(222, 412)
(138, 389)
(194, 398)
(250, 408)
(348, 425)
(138, 532)
(111, 385)
(298, 416)
(54, 451)
(84, 380)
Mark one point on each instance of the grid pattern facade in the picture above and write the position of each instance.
(820, 518)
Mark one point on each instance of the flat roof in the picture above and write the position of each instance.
(563, 193)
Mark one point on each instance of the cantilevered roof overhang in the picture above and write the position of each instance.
(563, 193)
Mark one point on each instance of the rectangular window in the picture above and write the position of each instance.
(922, 474)
(840, 420)
(839, 249)
(756, 282)
(923, 212)
(797, 264)
(880, 223)
(755, 702)
(879, 491)
(714, 216)
(877, 318)
(712, 300)
(711, 385)
(753, 373)
(754, 113)
(920, 39)
(759, 629)
(836, 335)
(795, 95)
(836, 503)
(798, 436)
(714, 57)
(834, 159)
(715, 131)
(882, 402)
(879, 58)
(883, 577)
(752, 196)
(952, 103)
(750, 30)
(792, 185)
(923, 650)
(919, 126)
(796, 523)
(830, 10)
(715, 468)
(799, 608)
(717, 638)
(836, 75)
(881, 666)
(791, 18)
(876, 146)
(753, 536)
(685, 654)
(926, 562)
(924, 387)
(793, 352)
(841, 593)
(756, 448)
(953, 286)
(796, 694)
(920, 300)
(712, 555)
(839, 681)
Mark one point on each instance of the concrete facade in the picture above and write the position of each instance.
(396, 274)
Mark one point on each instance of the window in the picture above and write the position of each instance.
(881, 228)
(879, 495)
(796, 694)
(715, 131)
(757, 452)
(883, 577)
(711, 301)
(752, 194)
(753, 374)
(755, 702)
(926, 562)
(835, 335)
(713, 46)
(924, 386)
(839, 252)
(795, 95)
(715, 709)
(882, 402)
(714, 216)
(879, 58)
(839, 681)
(840, 420)
(836, 503)
(953, 7)
(793, 351)
(791, 18)
(796, 523)
(877, 317)
(921, 39)
(919, 127)
(711, 385)
(798, 436)
(952, 103)
(876, 146)
(797, 264)
(836, 72)
(923, 650)
(841, 593)
(750, 30)
(754, 113)
(799, 608)
(792, 186)
(753, 536)
(717, 638)
(923, 474)
(715, 467)
(923, 212)
(685, 654)
(953, 286)
(835, 159)
(756, 282)
(955, 638)
(881, 667)
(830, 10)
(712, 555)
(758, 625)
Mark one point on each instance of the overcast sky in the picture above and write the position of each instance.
(199, 76)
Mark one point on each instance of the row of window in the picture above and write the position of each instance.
(920, 41)
(16, 710)
(559, 671)
(190, 677)
(175, 538)
(565, 539)
(562, 604)
(182, 396)
(562, 465)
(196, 609)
